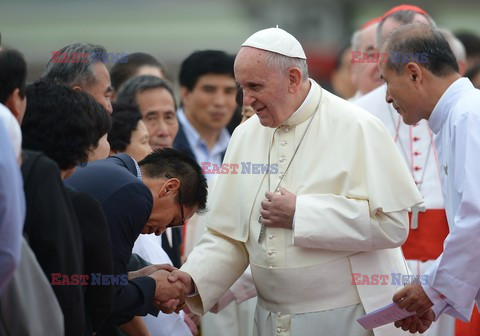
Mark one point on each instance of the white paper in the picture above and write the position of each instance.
(388, 314)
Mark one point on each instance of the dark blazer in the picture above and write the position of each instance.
(127, 204)
(52, 229)
(181, 143)
(97, 258)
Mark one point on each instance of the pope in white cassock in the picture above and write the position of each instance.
(333, 202)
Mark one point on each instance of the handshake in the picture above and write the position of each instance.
(171, 286)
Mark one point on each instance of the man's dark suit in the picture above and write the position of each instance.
(127, 203)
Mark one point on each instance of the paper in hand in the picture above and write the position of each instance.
(388, 314)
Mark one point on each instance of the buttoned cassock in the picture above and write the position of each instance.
(346, 220)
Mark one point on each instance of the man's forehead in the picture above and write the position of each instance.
(368, 37)
(385, 71)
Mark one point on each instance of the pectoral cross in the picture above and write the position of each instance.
(262, 230)
(415, 210)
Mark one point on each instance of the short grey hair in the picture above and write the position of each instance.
(283, 63)
(128, 91)
(404, 17)
(355, 41)
(78, 73)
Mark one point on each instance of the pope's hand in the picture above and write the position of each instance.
(184, 278)
(168, 295)
(278, 209)
(413, 299)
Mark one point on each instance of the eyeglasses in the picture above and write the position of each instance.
(180, 201)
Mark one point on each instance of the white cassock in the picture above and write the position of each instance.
(352, 194)
(454, 279)
(149, 247)
(415, 144)
(235, 319)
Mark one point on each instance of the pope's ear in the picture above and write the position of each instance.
(294, 79)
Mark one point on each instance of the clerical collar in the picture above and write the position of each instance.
(308, 106)
(440, 112)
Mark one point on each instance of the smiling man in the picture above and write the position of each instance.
(317, 220)
(208, 92)
(435, 91)
(162, 190)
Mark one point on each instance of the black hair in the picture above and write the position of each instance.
(471, 42)
(139, 84)
(176, 164)
(13, 73)
(60, 122)
(123, 71)
(422, 44)
(102, 121)
(473, 72)
(205, 62)
(125, 119)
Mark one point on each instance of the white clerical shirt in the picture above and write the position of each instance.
(454, 279)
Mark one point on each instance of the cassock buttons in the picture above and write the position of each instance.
(282, 159)
(283, 143)
(416, 153)
(271, 252)
(416, 138)
(417, 168)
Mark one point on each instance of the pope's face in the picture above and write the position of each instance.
(264, 89)
(402, 95)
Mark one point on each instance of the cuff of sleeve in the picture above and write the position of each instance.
(194, 293)
(437, 299)
(433, 294)
(438, 309)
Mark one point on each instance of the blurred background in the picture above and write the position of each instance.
(172, 29)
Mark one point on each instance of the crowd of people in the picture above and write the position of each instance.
(258, 203)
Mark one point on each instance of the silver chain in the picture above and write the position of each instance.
(264, 228)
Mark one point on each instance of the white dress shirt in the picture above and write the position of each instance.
(199, 147)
